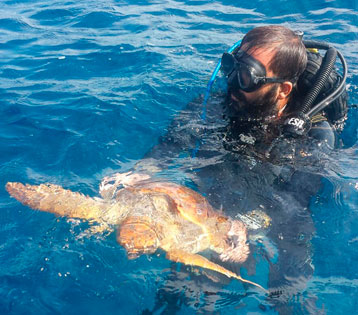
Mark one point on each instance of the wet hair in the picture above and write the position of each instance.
(290, 57)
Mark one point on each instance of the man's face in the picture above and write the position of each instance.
(263, 101)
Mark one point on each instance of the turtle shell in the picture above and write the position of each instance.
(190, 204)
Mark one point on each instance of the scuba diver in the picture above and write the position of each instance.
(284, 102)
(274, 80)
(278, 87)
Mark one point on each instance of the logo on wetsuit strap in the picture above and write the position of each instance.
(294, 121)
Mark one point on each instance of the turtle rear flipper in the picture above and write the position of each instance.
(200, 261)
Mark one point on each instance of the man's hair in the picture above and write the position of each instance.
(290, 56)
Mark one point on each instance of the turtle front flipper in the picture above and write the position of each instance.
(200, 261)
(57, 200)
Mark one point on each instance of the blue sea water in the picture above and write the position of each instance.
(87, 88)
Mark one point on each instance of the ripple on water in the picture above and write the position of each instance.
(53, 16)
(14, 25)
(98, 19)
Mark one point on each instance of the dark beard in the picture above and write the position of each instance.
(252, 126)
(260, 108)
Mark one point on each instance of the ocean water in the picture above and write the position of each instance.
(86, 89)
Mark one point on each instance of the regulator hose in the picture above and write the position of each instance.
(305, 107)
(323, 74)
(299, 123)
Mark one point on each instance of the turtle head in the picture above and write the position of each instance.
(138, 236)
(237, 248)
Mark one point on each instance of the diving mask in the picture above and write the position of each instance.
(245, 72)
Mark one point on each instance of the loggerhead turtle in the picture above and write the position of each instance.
(148, 215)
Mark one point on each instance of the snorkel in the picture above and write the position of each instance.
(207, 93)
(213, 77)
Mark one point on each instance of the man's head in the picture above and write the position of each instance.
(277, 55)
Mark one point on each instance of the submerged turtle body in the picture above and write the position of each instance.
(190, 223)
(148, 215)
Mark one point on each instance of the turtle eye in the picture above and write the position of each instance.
(221, 219)
(232, 240)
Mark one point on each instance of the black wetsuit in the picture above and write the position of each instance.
(239, 170)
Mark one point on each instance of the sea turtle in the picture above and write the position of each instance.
(148, 215)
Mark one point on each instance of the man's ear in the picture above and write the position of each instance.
(284, 90)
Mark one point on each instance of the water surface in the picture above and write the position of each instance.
(87, 88)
